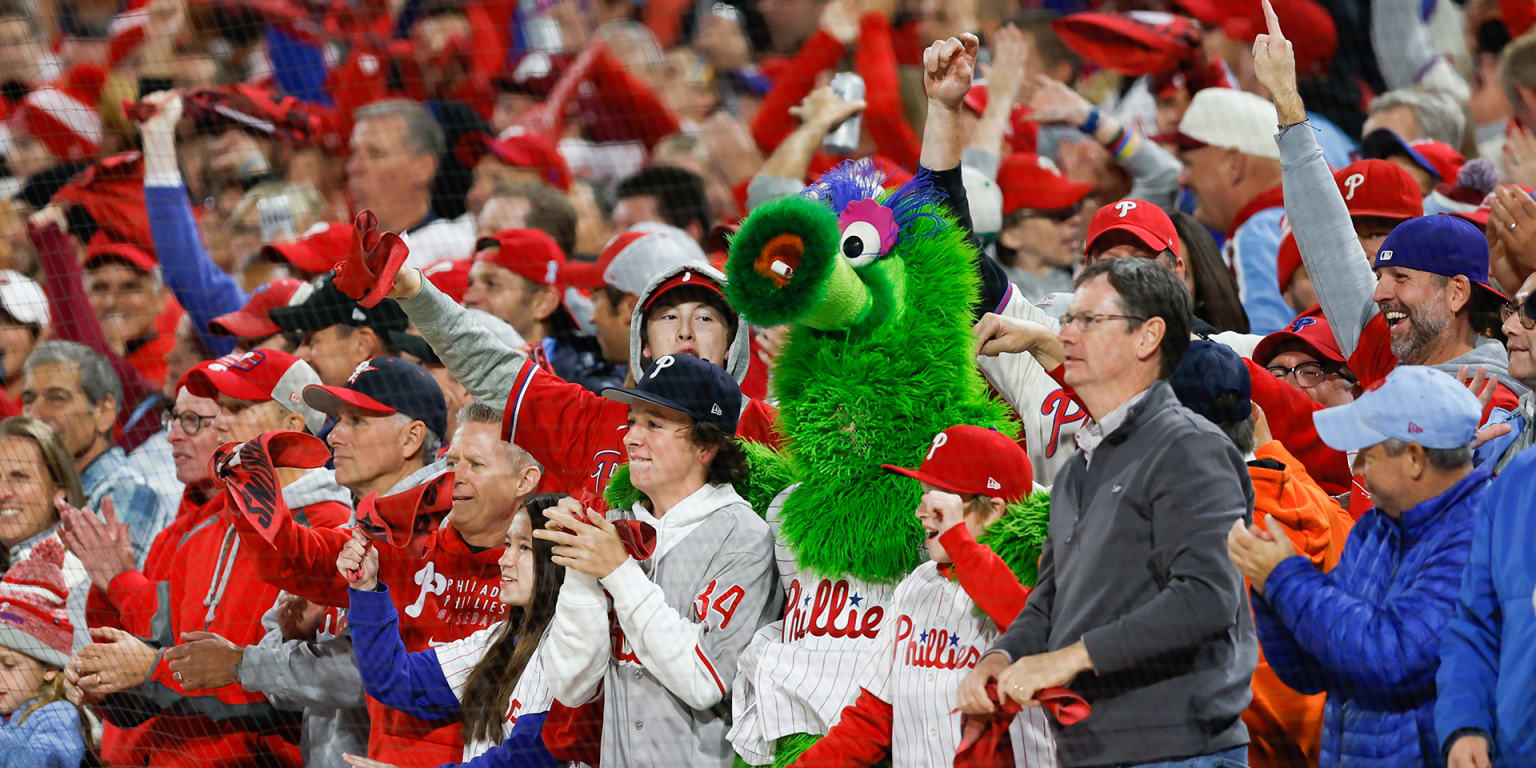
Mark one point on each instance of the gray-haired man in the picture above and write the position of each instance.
(73, 389)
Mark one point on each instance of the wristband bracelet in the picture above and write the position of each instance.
(1091, 125)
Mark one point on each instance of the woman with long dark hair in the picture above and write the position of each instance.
(1210, 283)
(493, 679)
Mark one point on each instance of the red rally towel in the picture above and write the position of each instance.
(984, 741)
(250, 471)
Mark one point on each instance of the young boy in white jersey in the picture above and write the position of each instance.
(943, 617)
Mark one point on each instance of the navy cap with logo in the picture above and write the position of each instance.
(1440, 244)
(328, 306)
(386, 385)
(688, 385)
(1207, 371)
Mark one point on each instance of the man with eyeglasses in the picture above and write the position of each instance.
(1520, 342)
(1134, 573)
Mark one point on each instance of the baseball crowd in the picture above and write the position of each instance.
(373, 395)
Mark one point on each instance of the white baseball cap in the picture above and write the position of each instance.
(22, 299)
(631, 259)
(1228, 118)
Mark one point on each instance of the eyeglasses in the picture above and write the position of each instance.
(1083, 320)
(191, 423)
(1524, 309)
(1308, 375)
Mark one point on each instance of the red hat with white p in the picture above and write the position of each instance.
(1144, 221)
(974, 460)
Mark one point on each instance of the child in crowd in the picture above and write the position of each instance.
(41, 728)
(945, 615)
(493, 679)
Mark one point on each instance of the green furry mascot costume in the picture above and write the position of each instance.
(879, 287)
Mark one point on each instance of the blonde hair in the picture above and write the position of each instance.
(1517, 66)
(61, 466)
(53, 690)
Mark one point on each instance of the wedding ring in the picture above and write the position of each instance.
(1513, 224)
(177, 676)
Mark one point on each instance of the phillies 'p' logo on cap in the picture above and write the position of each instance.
(1125, 207)
(1351, 183)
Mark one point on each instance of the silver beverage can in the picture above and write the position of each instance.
(844, 139)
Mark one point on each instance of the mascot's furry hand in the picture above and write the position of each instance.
(368, 272)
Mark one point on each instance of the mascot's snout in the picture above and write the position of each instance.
(786, 267)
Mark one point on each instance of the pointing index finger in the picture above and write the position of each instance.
(1272, 21)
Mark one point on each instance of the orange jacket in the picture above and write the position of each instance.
(1284, 726)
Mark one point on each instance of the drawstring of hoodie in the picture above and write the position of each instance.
(224, 566)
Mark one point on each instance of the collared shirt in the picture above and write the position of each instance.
(134, 500)
(1089, 437)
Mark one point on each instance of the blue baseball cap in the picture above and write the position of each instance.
(1208, 370)
(1441, 244)
(1414, 404)
(386, 385)
(688, 385)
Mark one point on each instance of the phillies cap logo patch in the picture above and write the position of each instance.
(1414, 429)
(1302, 322)
(993, 484)
(662, 363)
(362, 368)
(938, 442)
(1353, 182)
(1125, 206)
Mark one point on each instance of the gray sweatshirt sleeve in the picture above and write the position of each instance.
(1330, 250)
(1154, 173)
(296, 675)
(1404, 53)
(474, 356)
(765, 188)
(982, 161)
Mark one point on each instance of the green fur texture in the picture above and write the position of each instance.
(875, 394)
(789, 748)
(621, 493)
(1017, 535)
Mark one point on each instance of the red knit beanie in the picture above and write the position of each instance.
(32, 597)
(62, 114)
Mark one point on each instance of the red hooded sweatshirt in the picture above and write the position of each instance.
(198, 577)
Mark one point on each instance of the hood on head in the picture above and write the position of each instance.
(738, 355)
(1490, 354)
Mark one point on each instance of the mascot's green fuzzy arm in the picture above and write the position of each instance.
(872, 390)
(1017, 535)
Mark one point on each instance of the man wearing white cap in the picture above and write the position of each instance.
(1369, 631)
(1232, 167)
(23, 317)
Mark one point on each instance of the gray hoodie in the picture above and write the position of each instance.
(1341, 273)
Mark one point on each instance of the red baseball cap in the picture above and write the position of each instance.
(519, 150)
(1314, 48)
(527, 252)
(687, 277)
(1443, 158)
(1147, 222)
(1311, 329)
(317, 252)
(974, 460)
(102, 250)
(254, 320)
(1031, 181)
(1379, 188)
(258, 376)
(631, 259)
(1132, 43)
(451, 276)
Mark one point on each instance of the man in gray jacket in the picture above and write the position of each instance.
(1137, 607)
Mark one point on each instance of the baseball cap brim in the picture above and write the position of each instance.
(678, 281)
(1180, 140)
(242, 324)
(632, 396)
(1383, 143)
(1493, 291)
(1145, 236)
(923, 477)
(328, 400)
(1265, 351)
(581, 274)
(1342, 429)
(303, 255)
(204, 382)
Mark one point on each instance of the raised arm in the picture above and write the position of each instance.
(1154, 170)
(412, 683)
(783, 173)
(475, 357)
(1339, 267)
(204, 290)
(820, 52)
(1404, 53)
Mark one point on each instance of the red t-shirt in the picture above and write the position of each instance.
(579, 436)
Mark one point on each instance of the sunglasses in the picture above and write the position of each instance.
(1524, 309)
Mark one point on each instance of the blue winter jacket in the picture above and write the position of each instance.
(1488, 652)
(1368, 632)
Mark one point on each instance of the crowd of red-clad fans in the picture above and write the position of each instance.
(325, 324)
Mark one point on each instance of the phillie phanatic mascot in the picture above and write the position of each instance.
(879, 287)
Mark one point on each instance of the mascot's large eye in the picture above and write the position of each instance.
(860, 243)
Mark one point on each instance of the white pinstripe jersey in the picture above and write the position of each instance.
(933, 635)
(530, 695)
(799, 672)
